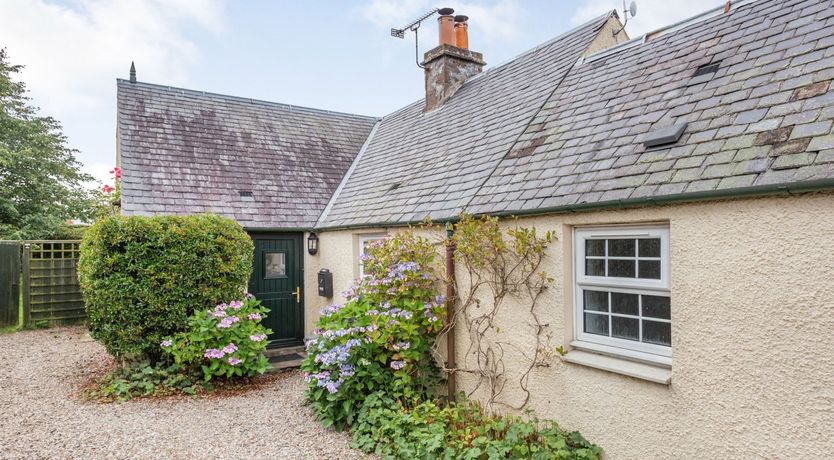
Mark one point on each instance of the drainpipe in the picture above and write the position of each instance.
(451, 298)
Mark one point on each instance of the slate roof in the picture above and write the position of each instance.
(541, 133)
(433, 163)
(185, 152)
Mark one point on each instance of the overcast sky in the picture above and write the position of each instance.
(324, 54)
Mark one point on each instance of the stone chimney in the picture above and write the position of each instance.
(449, 65)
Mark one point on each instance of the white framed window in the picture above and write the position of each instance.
(622, 301)
(364, 241)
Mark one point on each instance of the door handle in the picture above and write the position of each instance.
(298, 294)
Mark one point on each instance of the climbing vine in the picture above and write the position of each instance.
(499, 270)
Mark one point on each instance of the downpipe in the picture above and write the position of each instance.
(451, 299)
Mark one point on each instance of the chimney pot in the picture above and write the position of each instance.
(446, 26)
(462, 32)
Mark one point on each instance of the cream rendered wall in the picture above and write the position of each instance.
(338, 252)
(752, 328)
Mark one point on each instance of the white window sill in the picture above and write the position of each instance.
(652, 373)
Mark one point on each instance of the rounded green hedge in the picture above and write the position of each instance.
(143, 276)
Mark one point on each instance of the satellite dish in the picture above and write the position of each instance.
(627, 13)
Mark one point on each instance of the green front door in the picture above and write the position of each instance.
(277, 282)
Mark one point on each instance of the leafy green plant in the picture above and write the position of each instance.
(227, 341)
(143, 379)
(380, 339)
(463, 430)
(142, 277)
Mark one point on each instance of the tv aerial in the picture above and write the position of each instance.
(631, 11)
(415, 25)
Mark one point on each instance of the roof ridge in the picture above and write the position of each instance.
(507, 62)
(546, 44)
(290, 107)
(695, 19)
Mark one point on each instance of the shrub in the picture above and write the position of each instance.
(462, 430)
(143, 276)
(227, 341)
(381, 337)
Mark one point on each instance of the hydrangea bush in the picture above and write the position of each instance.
(380, 338)
(226, 341)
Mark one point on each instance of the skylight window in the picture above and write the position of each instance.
(706, 69)
(704, 73)
(246, 195)
(663, 136)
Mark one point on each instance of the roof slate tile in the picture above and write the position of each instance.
(184, 152)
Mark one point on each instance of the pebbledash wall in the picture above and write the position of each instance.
(752, 285)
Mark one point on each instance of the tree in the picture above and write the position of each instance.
(41, 184)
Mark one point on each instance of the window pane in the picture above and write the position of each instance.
(275, 265)
(621, 248)
(595, 267)
(649, 247)
(625, 304)
(621, 268)
(625, 328)
(594, 247)
(649, 269)
(657, 332)
(596, 324)
(656, 307)
(596, 300)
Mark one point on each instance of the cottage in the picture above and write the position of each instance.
(687, 174)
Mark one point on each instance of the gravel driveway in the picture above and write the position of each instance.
(42, 415)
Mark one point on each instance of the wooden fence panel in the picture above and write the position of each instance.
(51, 289)
(9, 283)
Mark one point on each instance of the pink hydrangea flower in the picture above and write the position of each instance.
(236, 304)
(234, 361)
(255, 316)
(166, 343)
(219, 310)
(397, 365)
(214, 353)
(227, 322)
(230, 348)
(257, 337)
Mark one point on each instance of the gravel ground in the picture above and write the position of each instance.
(43, 416)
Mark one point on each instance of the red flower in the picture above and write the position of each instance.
(107, 188)
(117, 172)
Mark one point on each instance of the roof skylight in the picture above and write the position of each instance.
(704, 73)
(663, 136)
